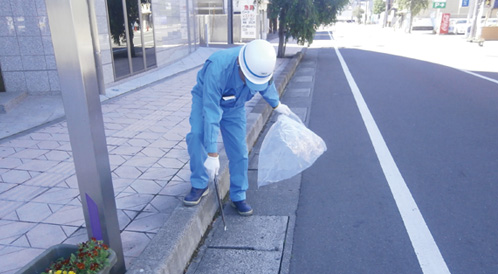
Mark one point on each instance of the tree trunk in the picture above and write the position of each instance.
(281, 35)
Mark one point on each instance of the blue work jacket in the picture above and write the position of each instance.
(221, 88)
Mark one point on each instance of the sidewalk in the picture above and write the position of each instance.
(146, 120)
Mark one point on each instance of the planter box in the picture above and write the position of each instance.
(43, 261)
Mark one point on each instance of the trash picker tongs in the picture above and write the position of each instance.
(219, 201)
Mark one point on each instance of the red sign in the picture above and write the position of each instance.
(445, 23)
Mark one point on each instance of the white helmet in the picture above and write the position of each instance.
(257, 60)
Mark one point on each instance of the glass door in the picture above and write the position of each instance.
(132, 38)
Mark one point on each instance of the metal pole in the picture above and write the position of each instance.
(96, 46)
(230, 22)
(72, 41)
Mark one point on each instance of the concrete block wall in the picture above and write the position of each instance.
(26, 52)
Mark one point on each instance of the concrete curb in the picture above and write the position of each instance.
(173, 246)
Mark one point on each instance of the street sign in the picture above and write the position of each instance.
(465, 3)
(439, 5)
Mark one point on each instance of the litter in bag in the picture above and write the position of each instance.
(288, 149)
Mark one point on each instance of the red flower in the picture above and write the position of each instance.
(80, 265)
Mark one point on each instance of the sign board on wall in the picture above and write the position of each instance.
(248, 17)
(439, 5)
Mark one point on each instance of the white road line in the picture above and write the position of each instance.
(428, 254)
(480, 76)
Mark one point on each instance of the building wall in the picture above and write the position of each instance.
(27, 57)
(26, 52)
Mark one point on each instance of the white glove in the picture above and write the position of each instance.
(283, 109)
(212, 165)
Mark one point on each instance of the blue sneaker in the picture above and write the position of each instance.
(242, 208)
(195, 196)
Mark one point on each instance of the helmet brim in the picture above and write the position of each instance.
(257, 87)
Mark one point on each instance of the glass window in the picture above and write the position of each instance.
(132, 36)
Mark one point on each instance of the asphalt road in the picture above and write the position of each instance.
(409, 183)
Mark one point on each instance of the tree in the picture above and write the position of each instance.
(301, 18)
(379, 6)
(414, 7)
(358, 13)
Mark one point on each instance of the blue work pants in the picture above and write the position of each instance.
(233, 131)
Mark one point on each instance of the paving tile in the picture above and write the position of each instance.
(129, 172)
(153, 152)
(162, 174)
(133, 201)
(116, 160)
(40, 136)
(78, 236)
(165, 144)
(116, 141)
(148, 222)
(134, 243)
(6, 151)
(138, 143)
(4, 186)
(20, 143)
(126, 150)
(58, 196)
(60, 137)
(123, 219)
(11, 261)
(57, 155)
(141, 161)
(37, 165)
(171, 163)
(72, 181)
(9, 229)
(64, 168)
(120, 184)
(145, 186)
(178, 153)
(33, 212)
(176, 188)
(149, 135)
(10, 163)
(46, 180)
(163, 204)
(22, 193)
(48, 145)
(37, 236)
(21, 242)
(67, 215)
(69, 230)
(15, 176)
(183, 174)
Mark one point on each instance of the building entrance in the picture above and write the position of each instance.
(132, 36)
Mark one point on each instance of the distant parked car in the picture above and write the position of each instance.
(422, 24)
(451, 27)
(461, 26)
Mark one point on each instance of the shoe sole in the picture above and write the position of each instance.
(245, 214)
(193, 203)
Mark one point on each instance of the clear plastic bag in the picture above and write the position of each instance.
(288, 149)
